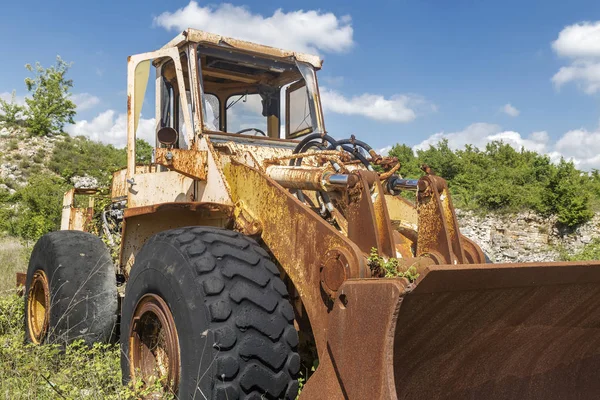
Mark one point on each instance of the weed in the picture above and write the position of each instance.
(52, 371)
(389, 268)
(13, 144)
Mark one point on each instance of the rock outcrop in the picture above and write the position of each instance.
(526, 236)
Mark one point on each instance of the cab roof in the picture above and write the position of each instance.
(242, 46)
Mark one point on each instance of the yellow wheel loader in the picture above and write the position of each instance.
(257, 247)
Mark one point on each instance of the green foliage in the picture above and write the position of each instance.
(14, 257)
(50, 106)
(13, 144)
(11, 112)
(143, 152)
(304, 375)
(567, 196)
(80, 156)
(75, 371)
(389, 268)
(40, 206)
(590, 251)
(500, 178)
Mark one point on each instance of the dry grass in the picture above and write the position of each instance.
(14, 257)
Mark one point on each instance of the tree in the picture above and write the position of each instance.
(11, 113)
(143, 151)
(568, 195)
(409, 165)
(50, 106)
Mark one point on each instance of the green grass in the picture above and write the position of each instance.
(75, 371)
(13, 258)
(50, 371)
(590, 251)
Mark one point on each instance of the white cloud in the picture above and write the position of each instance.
(111, 128)
(581, 43)
(306, 31)
(510, 110)
(8, 96)
(384, 151)
(580, 146)
(332, 80)
(397, 108)
(85, 101)
(580, 40)
(585, 73)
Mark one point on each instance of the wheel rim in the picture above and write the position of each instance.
(154, 344)
(38, 307)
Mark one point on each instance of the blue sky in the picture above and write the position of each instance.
(395, 71)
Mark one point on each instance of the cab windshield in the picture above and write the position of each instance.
(248, 95)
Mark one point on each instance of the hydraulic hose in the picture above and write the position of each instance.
(313, 136)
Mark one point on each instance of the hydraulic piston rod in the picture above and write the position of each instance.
(312, 178)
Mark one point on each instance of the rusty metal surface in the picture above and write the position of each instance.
(119, 185)
(65, 218)
(161, 187)
(402, 211)
(154, 344)
(21, 279)
(249, 150)
(306, 178)
(299, 239)
(334, 270)
(500, 331)
(142, 222)
(310, 178)
(369, 224)
(205, 209)
(232, 44)
(191, 163)
(77, 218)
(438, 233)
(473, 253)
(358, 363)
(483, 331)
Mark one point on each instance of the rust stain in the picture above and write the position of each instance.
(298, 238)
(191, 163)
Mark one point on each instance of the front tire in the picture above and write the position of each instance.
(231, 335)
(70, 290)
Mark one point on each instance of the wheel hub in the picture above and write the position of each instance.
(154, 344)
(38, 307)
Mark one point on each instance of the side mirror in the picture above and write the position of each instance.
(167, 136)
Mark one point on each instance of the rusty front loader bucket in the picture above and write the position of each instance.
(482, 331)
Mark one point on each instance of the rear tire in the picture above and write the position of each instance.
(232, 323)
(70, 290)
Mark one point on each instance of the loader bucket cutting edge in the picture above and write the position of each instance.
(480, 331)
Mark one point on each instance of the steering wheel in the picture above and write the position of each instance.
(252, 129)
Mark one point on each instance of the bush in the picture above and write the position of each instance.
(11, 113)
(80, 156)
(500, 178)
(590, 252)
(40, 206)
(13, 144)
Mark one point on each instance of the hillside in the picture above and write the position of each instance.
(517, 205)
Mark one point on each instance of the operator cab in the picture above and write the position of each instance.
(243, 89)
